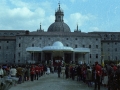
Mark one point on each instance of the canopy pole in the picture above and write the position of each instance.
(41, 56)
(51, 58)
(73, 57)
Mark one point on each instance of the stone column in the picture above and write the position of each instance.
(51, 58)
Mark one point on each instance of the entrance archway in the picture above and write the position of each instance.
(57, 60)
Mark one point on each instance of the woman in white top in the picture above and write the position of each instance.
(48, 70)
(63, 71)
(13, 71)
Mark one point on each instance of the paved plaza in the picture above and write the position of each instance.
(52, 82)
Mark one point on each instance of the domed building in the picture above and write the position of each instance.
(58, 45)
(59, 25)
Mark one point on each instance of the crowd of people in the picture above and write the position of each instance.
(94, 76)
(23, 72)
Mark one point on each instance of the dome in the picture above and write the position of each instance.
(58, 43)
(59, 27)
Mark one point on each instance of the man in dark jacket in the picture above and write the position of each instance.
(59, 71)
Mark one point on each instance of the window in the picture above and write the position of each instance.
(115, 43)
(19, 45)
(48, 38)
(83, 45)
(67, 45)
(19, 54)
(32, 45)
(96, 55)
(7, 47)
(108, 43)
(66, 38)
(7, 41)
(17, 33)
(18, 60)
(75, 38)
(32, 37)
(116, 49)
(19, 37)
(101, 49)
(89, 46)
(116, 57)
(0, 47)
(90, 56)
(96, 46)
(75, 46)
(96, 39)
(11, 34)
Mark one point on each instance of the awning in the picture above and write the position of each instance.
(82, 50)
(33, 49)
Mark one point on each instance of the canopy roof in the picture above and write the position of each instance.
(33, 49)
(57, 46)
(83, 50)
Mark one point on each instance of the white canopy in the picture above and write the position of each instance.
(84, 50)
(57, 46)
(33, 49)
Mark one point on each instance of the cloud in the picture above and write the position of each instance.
(21, 15)
(79, 18)
(94, 29)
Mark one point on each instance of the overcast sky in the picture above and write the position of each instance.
(90, 15)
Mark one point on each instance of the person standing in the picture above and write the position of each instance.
(13, 71)
(32, 72)
(59, 71)
(37, 71)
(73, 73)
(89, 76)
(63, 71)
(67, 71)
(98, 73)
(19, 74)
(1, 72)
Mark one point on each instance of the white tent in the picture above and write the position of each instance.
(33, 49)
(82, 50)
(57, 46)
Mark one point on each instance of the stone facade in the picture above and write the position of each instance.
(102, 45)
(13, 48)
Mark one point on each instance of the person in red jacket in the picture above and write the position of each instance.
(32, 72)
(36, 72)
(98, 74)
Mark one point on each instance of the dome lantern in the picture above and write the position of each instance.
(59, 25)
